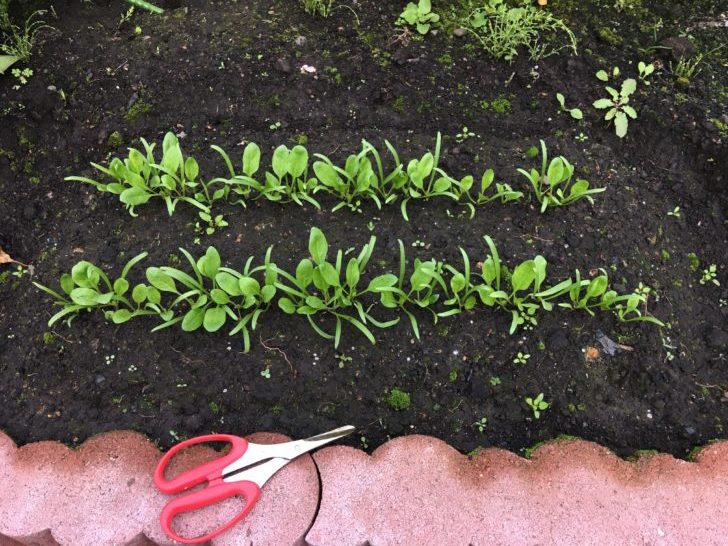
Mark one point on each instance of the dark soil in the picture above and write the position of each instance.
(214, 72)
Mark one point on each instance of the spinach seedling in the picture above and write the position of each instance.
(350, 184)
(503, 191)
(318, 287)
(87, 287)
(139, 178)
(421, 289)
(552, 186)
(207, 295)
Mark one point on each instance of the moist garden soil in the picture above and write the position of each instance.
(229, 72)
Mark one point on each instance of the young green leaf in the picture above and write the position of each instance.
(318, 246)
(251, 159)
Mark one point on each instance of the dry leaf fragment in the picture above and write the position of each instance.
(6, 259)
(591, 354)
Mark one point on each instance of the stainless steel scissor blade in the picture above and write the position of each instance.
(261, 461)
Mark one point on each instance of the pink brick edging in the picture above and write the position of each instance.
(417, 490)
(102, 494)
(413, 490)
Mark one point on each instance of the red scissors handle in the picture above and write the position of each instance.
(206, 472)
(206, 497)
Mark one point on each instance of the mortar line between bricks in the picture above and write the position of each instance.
(304, 542)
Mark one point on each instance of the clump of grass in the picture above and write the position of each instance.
(502, 29)
(322, 8)
(20, 41)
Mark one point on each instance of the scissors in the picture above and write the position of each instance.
(242, 472)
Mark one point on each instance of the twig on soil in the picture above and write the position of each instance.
(280, 351)
(536, 237)
(186, 359)
(122, 65)
(63, 338)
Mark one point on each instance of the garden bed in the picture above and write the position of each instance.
(230, 73)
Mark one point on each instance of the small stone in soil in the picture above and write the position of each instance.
(29, 212)
(717, 339)
(679, 47)
(557, 340)
(283, 65)
(193, 422)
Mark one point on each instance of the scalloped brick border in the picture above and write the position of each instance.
(413, 490)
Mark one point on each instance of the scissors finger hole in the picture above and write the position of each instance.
(207, 520)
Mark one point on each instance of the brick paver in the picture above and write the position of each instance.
(103, 494)
(417, 490)
(414, 490)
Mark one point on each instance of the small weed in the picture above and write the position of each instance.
(575, 113)
(398, 104)
(501, 105)
(480, 424)
(693, 262)
(322, 8)
(521, 358)
(343, 359)
(138, 109)
(22, 76)
(617, 106)
(675, 213)
(645, 70)
(502, 28)
(125, 17)
(20, 41)
(686, 69)
(115, 140)
(398, 400)
(464, 135)
(445, 59)
(710, 275)
(419, 15)
(537, 405)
